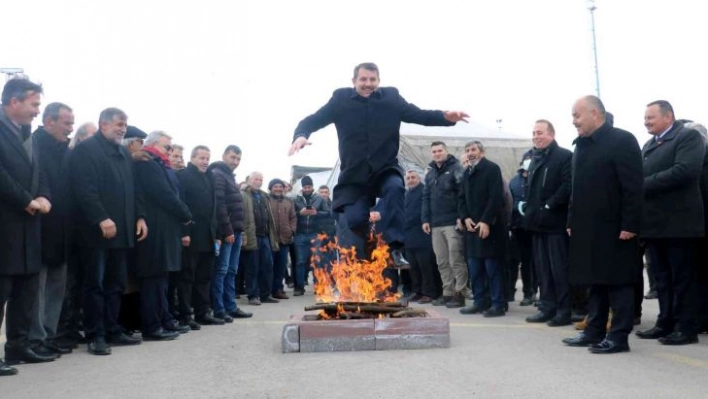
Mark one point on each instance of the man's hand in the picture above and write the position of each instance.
(626, 235)
(374, 216)
(426, 228)
(459, 225)
(298, 145)
(308, 212)
(455, 116)
(186, 241)
(45, 205)
(483, 230)
(141, 229)
(218, 242)
(230, 239)
(108, 229)
(33, 207)
(470, 225)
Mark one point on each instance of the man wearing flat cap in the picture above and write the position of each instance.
(133, 139)
(285, 222)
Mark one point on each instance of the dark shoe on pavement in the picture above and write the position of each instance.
(98, 346)
(559, 322)
(679, 338)
(527, 301)
(66, 342)
(122, 339)
(441, 300)
(607, 346)
(576, 317)
(160, 335)
(474, 309)
(6, 370)
(179, 328)
(425, 299)
(52, 345)
(540, 317)
(25, 354)
(280, 295)
(209, 320)
(581, 340)
(414, 297)
(653, 333)
(494, 312)
(298, 292)
(254, 302)
(223, 316)
(652, 294)
(240, 314)
(269, 299)
(399, 262)
(43, 350)
(193, 325)
(457, 301)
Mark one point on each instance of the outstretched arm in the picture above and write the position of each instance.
(323, 117)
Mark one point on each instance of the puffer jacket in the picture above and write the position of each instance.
(230, 215)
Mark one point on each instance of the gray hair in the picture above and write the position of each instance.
(81, 134)
(476, 143)
(108, 114)
(126, 142)
(699, 127)
(177, 147)
(154, 136)
(254, 174)
(51, 111)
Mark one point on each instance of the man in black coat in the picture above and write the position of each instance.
(546, 213)
(230, 219)
(425, 278)
(23, 196)
(368, 120)
(161, 253)
(52, 143)
(108, 214)
(603, 222)
(481, 208)
(673, 220)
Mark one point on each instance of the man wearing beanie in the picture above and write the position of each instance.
(368, 120)
(310, 208)
(285, 222)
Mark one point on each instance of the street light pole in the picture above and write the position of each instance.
(11, 72)
(592, 8)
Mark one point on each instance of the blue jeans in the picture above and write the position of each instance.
(280, 263)
(259, 269)
(223, 285)
(487, 278)
(303, 253)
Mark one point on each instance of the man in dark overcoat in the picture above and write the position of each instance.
(368, 120)
(23, 197)
(109, 215)
(603, 223)
(481, 208)
(673, 220)
(161, 253)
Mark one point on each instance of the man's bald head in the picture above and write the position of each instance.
(588, 115)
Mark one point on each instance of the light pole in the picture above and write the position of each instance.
(11, 72)
(592, 8)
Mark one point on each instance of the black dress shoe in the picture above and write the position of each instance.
(42, 350)
(457, 301)
(174, 326)
(209, 320)
(269, 299)
(559, 322)
(56, 348)
(161, 335)
(494, 312)
(6, 370)
(653, 333)
(122, 339)
(474, 309)
(193, 325)
(98, 346)
(399, 262)
(24, 354)
(679, 338)
(66, 342)
(441, 300)
(240, 314)
(581, 340)
(540, 317)
(607, 346)
(526, 302)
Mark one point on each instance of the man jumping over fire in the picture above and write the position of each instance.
(368, 120)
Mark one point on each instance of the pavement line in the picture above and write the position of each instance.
(483, 325)
(685, 360)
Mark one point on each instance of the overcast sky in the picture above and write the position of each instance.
(246, 72)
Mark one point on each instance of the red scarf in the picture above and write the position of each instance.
(163, 157)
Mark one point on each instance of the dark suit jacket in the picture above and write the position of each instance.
(198, 193)
(369, 135)
(21, 181)
(672, 193)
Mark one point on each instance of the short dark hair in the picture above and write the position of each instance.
(551, 129)
(108, 114)
(51, 111)
(197, 148)
(369, 66)
(437, 143)
(19, 88)
(664, 106)
(232, 148)
(323, 186)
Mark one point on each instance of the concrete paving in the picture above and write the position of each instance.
(501, 357)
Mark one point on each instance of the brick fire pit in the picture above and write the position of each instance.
(303, 335)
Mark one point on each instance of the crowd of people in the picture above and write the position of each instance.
(111, 232)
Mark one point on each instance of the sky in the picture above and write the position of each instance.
(246, 72)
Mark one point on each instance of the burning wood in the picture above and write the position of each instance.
(365, 310)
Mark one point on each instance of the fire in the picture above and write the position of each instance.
(351, 279)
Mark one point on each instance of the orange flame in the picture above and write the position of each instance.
(351, 279)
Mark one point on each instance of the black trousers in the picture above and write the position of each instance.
(70, 318)
(105, 279)
(521, 257)
(673, 261)
(154, 311)
(550, 252)
(621, 299)
(195, 283)
(21, 293)
(424, 272)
